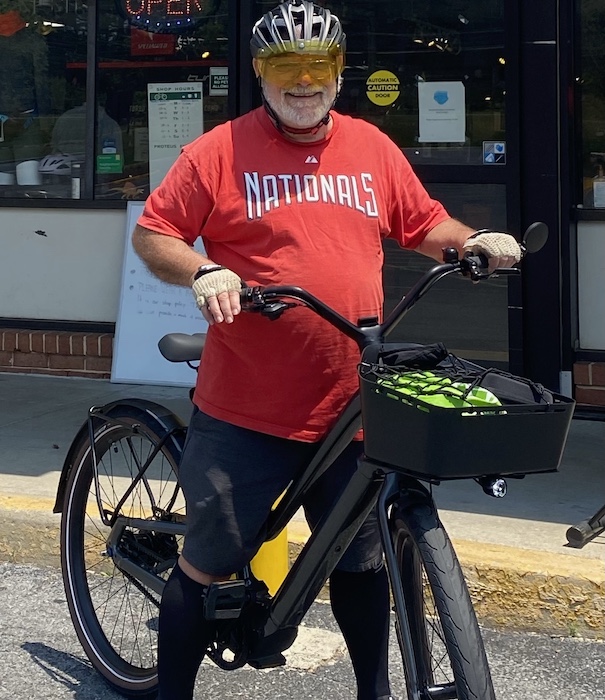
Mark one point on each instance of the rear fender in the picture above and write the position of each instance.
(157, 417)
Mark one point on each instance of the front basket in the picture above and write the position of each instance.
(435, 443)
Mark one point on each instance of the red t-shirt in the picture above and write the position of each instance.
(280, 212)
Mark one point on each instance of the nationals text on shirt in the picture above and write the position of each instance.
(266, 192)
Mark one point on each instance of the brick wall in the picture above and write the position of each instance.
(66, 354)
(589, 381)
(57, 353)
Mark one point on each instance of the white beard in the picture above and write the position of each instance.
(301, 116)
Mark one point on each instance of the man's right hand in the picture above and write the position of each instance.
(216, 293)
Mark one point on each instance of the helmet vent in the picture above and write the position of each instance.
(301, 27)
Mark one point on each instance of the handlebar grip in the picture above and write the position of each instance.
(578, 535)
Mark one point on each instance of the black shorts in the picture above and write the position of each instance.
(232, 476)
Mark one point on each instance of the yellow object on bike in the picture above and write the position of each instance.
(271, 562)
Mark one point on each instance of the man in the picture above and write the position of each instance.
(292, 193)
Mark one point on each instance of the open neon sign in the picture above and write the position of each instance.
(162, 15)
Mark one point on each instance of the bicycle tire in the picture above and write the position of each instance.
(115, 616)
(447, 646)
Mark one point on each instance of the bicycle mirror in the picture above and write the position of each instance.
(535, 237)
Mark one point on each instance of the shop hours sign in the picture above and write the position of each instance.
(176, 117)
(161, 15)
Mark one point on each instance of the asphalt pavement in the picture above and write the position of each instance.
(41, 659)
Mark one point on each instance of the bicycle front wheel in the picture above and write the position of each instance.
(447, 648)
(115, 614)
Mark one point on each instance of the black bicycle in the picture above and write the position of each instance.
(123, 513)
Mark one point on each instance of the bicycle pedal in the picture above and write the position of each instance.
(268, 661)
(224, 600)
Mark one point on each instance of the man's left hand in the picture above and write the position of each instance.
(501, 249)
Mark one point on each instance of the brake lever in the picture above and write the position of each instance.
(273, 310)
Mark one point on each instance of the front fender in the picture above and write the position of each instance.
(158, 417)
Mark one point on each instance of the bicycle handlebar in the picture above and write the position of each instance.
(269, 300)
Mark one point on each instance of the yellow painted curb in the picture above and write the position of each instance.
(537, 591)
(526, 589)
(510, 587)
(10, 502)
(503, 557)
(538, 563)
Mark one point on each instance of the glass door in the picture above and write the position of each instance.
(432, 75)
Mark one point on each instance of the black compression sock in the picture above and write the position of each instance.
(184, 635)
(360, 603)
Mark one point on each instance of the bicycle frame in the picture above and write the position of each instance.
(371, 484)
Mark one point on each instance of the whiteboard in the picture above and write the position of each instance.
(148, 310)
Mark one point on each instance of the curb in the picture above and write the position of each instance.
(524, 590)
(535, 591)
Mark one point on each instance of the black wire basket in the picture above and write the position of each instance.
(524, 432)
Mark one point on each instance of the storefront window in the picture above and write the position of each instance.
(162, 81)
(171, 51)
(38, 40)
(591, 88)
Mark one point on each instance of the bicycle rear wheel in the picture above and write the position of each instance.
(114, 613)
(448, 651)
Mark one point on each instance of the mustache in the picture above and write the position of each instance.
(297, 91)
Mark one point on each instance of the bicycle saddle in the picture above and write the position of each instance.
(182, 347)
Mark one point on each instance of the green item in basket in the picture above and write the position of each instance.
(430, 388)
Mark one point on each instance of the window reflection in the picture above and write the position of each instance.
(130, 58)
(44, 129)
(424, 43)
(36, 42)
(591, 89)
(472, 320)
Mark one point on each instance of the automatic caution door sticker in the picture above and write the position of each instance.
(382, 88)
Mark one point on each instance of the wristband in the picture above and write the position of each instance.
(205, 269)
(481, 231)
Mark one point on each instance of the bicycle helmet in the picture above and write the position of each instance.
(302, 27)
(298, 26)
(56, 164)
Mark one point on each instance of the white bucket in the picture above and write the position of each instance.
(28, 174)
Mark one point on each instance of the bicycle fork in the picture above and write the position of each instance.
(396, 487)
(389, 492)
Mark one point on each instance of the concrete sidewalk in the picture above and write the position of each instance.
(520, 571)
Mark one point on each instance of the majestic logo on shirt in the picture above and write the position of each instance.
(267, 192)
(311, 159)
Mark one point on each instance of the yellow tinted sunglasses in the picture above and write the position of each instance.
(285, 69)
